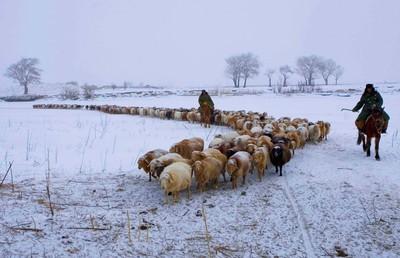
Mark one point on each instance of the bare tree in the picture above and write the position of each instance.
(326, 68)
(250, 66)
(307, 66)
(285, 72)
(233, 69)
(25, 72)
(338, 73)
(242, 66)
(269, 73)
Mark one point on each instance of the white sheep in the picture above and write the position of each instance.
(175, 178)
(314, 133)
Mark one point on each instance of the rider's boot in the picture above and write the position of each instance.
(360, 125)
(359, 139)
(385, 126)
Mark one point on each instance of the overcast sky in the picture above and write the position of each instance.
(185, 43)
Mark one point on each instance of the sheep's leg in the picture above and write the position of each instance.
(377, 140)
(259, 173)
(280, 170)
(223, 174)
(276, 169)
(244, 179)
(166, 197)
(216, 183)
(176, 197)
(368, 146)
(149, 177)
(189, 193)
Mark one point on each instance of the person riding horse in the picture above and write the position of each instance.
(205, 99)
(370, 100)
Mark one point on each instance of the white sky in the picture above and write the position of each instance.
(185, 42)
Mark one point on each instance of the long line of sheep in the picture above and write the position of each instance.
(257, 142)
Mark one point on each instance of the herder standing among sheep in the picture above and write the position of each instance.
(369, 100)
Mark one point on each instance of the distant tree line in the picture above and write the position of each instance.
(240, 68)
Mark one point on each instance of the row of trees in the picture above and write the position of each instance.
(240, 68)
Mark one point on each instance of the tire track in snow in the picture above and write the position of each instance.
(300, 219)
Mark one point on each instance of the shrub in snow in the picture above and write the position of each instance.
(73, 83)
(89, 91)
(22, 98)
(70, 93)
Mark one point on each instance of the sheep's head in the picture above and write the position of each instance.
(164, 182)
(251, 148)
(174, 149)
(142, 163)
(197, 155)
(231, 166)
(277, 151)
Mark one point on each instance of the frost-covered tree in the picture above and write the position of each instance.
(25, 72)
(270, 73)
(307, 66)
(250, 66)
(338, 73)
(327, 68)
(242, 66)
(285, 72)
(233, 69)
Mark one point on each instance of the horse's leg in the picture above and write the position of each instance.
(368, 146)
(377, 140)
(363, 142)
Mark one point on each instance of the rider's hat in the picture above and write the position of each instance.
(369, 85)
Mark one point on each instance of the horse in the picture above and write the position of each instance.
(372, 129)
(206, 113)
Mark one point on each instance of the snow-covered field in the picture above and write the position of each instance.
(330, 198)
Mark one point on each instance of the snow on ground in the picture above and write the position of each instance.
(330, 194)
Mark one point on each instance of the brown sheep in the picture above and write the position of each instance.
(327, 129)
(261, 160)
(187, 146)
(224, 148)
(322, 128)
(144, 161)
(214, 153)
(207, 171)
(175, 178)
(295, 141)
(265, 141)
(251, 148)
(238, 165)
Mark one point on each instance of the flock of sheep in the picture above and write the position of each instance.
(257, 142)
